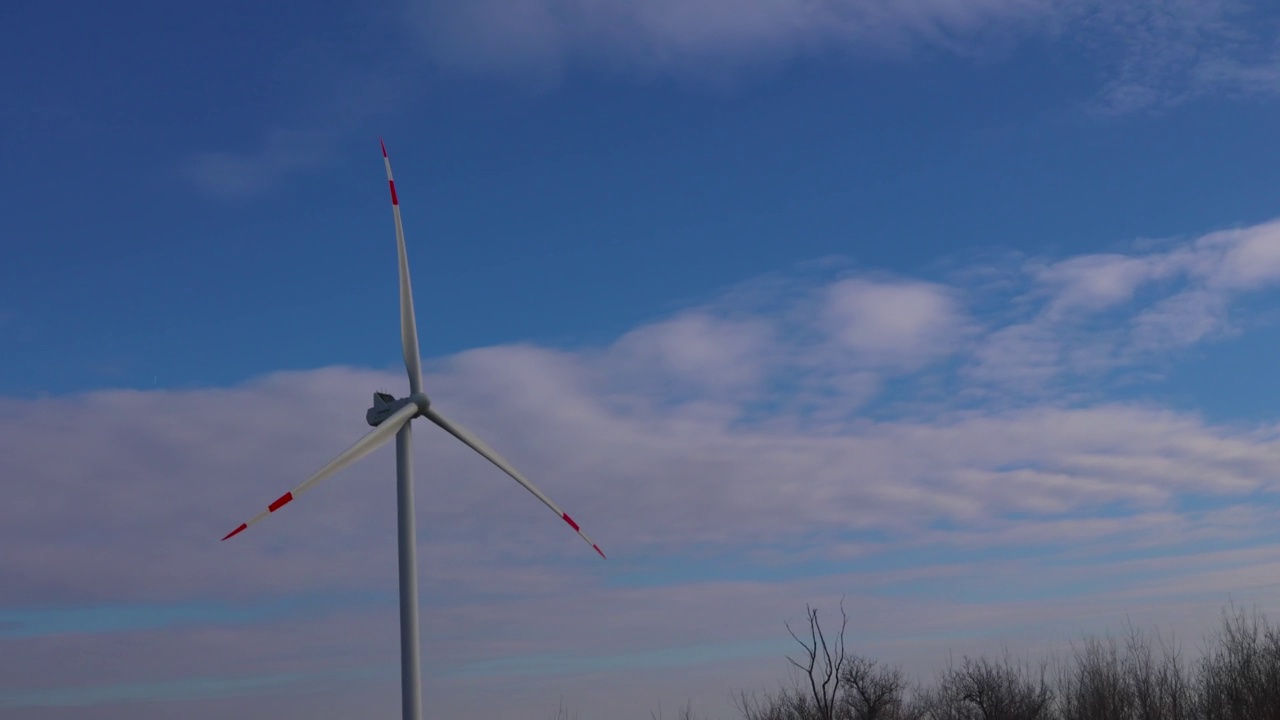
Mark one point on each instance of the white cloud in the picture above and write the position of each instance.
(1097, 282)
(645, 478)
(724, 473)
(1239, 260)
(699, 349)
(893, 323)
(1179, 321)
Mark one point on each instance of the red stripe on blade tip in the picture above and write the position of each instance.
(394, 200)
(569, 520)
(597, 547)
(284, 500)
(384, 147)
(236, 531)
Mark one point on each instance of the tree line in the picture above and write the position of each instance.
(1133, 676)
(1136, 676)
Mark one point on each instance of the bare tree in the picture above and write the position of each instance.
(1133, 677)
(1240, 678)
(1161, 688)
(872, 691)
(1096, 686)
(820, 668)
(822, 663)
(936, 704)
(984, 690)
(563, 712)
(1143, 675)
(786, 704)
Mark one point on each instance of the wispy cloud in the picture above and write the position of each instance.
(288, 148)
(1092, 314)
(51, 621)
(1173, 51)
(667, 35)
(581, 664)
(244, 174)
(1160, 52)
(940, 447)
(194, 688)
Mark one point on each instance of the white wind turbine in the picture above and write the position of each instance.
(390, 416)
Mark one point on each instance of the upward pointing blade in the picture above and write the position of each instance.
(363, 446)
(478, 445)
(408, 325)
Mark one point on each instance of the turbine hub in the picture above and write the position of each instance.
(385, 404)
(421, 400)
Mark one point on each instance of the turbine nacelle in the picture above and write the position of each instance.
(385, 405)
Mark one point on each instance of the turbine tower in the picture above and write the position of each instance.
(390, 416)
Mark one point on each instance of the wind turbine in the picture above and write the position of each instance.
(390, 416)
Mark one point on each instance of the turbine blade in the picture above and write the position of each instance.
(479, 446)
(408, 325)
(363, 446)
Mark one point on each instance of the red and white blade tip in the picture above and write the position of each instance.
(280, 502)
(391, 183)
(565, 516)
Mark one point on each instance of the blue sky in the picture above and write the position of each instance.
(579, 210)
(966, 309)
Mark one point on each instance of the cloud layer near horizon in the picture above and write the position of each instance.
(948, 451)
